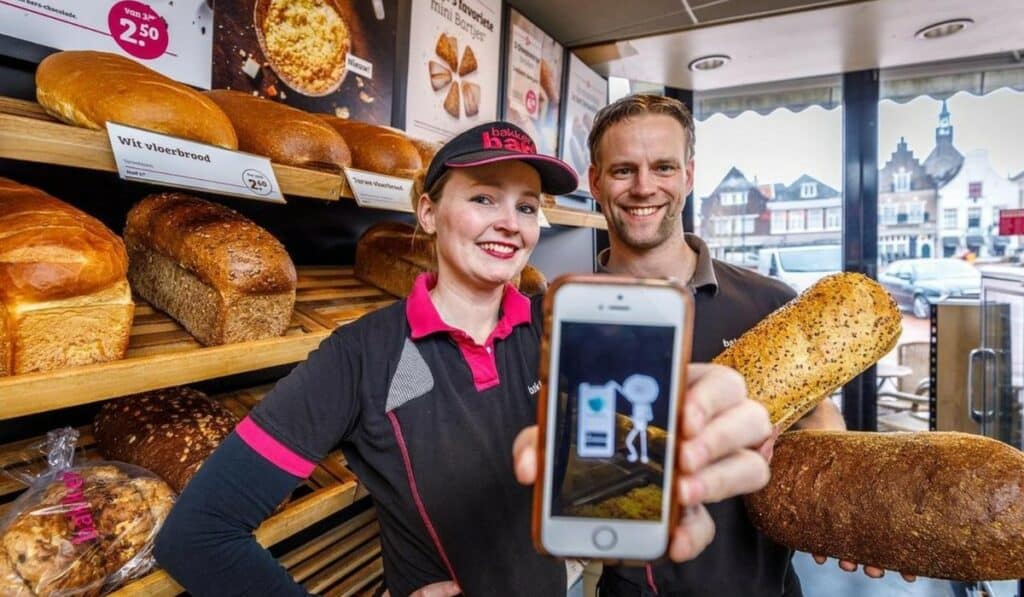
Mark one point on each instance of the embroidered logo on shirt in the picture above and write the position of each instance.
(534, 387)
(727, 343)
(412, 378)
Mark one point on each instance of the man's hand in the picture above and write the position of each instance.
(438, 589)
(871, 571)
(717, 457)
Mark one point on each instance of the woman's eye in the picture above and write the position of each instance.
(482, 199)
(526, 208)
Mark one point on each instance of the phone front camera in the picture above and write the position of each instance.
(600, 307)
(620, 297)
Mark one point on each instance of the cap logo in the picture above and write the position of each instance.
(508, 139)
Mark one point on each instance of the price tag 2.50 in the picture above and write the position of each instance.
(138, 29)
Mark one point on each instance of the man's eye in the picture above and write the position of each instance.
(620, 172)
(666, 168)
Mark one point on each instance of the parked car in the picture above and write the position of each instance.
(916, 284)
(800, 266)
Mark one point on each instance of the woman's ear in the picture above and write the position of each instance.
(426, 214)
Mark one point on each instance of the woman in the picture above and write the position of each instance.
(425, 398)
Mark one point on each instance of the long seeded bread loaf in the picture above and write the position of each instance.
(389, 255)
(64, 296)
(220, 275)
(170, 432)
(944, 505)
(284, 134)
(825, 337)
(87, 89)
(378, 149)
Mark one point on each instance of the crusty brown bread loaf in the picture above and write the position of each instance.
(64, 296)
(944, 505)
(170, 432)
(39, 548)
(87, 89)
(427, 149)
(284, 134)
(221, 276)
(390, 255)
(825, 337)
(378, 149)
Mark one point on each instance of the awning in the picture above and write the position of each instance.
(950, 241)
(978, 76)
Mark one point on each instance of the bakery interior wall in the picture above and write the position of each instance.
(315, 232)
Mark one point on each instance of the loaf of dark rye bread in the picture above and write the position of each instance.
(801, 353)
(170, 432)
(944, 505)
(220, 275)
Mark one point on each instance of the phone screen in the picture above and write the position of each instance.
(611, 416)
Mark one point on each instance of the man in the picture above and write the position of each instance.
(642, 150)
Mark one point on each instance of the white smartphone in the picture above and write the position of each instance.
(612, 376)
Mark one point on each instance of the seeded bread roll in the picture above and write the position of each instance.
(118, 521)
(170, 432)
(87, 89)
(390, 255)
(943, 505)
(220, 275)
(825, 337)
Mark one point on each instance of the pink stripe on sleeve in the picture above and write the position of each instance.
(277, 453)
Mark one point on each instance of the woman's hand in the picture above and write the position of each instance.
(871, 571)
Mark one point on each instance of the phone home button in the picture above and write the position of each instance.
(605, 538)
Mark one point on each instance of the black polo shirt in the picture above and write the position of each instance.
(728, 301)
(426, 418)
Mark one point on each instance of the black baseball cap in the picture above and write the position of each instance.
(500, 142)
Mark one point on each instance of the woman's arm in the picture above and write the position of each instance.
(207, 544)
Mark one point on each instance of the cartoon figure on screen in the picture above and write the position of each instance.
(641, 391)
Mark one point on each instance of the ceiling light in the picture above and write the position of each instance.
(710, 62)
(944, 29)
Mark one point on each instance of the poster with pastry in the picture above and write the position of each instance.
(172, 37)
(533, 82)
(330, 56)
(454, 50)
(585, 94)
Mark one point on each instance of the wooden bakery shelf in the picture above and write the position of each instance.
(329, 489)
(27, 133)
(162, 354)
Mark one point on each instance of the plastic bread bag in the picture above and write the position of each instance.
(79, 530)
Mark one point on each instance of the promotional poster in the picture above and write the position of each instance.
(454, 49)
(172, 37)
(586, 93)
(534, 82)
(331, 56)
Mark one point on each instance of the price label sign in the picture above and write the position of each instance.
(380, 191)
(161, 159)
(137, 29)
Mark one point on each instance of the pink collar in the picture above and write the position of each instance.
(424, 319)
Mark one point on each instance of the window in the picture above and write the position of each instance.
(916, 212)
(722, 226)
(778, 221)
(974, 217)
(796, 220)
(808, 190)
(949, 219)
(901, 213)
(814, 218)
(888, 214)
(734, 198)
(974, 190)
(834, 218)
(901, 181)
(748, 225)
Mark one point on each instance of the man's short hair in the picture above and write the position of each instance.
(638, 105)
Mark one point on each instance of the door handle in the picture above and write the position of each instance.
(982, 354)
